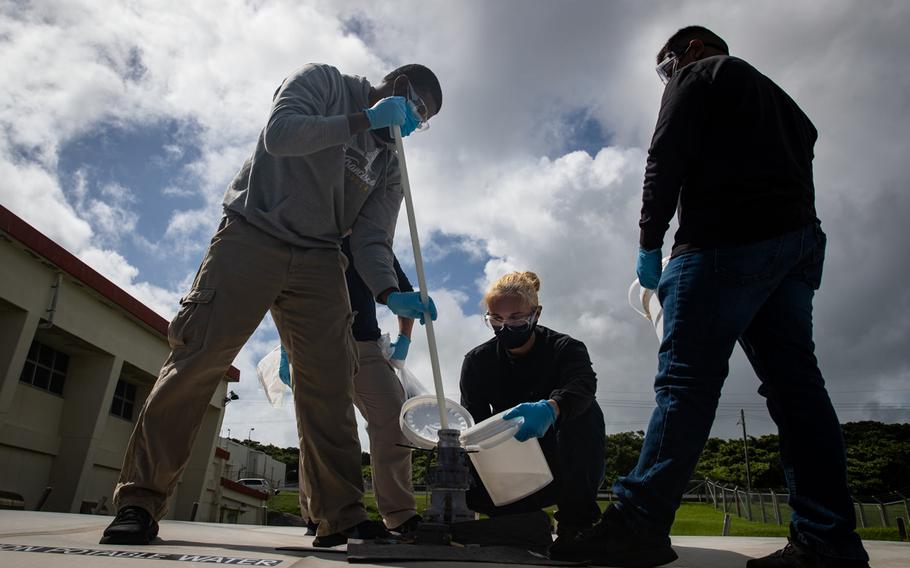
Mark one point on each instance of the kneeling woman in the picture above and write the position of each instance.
(545, 377)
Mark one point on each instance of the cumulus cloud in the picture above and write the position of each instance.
(500, 177)
(476, 173)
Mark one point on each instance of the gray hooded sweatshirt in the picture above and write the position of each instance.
(309, 182)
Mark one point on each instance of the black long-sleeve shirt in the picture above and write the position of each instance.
(733, 153)
(365, 326)
(557, 367)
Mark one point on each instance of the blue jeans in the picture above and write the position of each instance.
(760, 295)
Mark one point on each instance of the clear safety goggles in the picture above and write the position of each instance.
(521, 323)
(667, 67)
(419, 107)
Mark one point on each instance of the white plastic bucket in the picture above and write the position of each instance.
(509, 469)
(419, 420)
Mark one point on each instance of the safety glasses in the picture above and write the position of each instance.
(667, 67)
(420, 107)
(521, 323)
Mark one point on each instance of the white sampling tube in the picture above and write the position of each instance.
(421, 279)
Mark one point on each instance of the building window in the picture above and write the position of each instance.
(124, 400)
(45, 368)
(229, 516)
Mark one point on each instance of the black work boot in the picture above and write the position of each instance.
(795, 555)
(365, 530)
(409, 526)
(311, 528)
(132, 525)
(611, 542)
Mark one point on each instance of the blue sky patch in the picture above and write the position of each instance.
(359, 27)
(149, 161)
(452, 262)
(583, 132)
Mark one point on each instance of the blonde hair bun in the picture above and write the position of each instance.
(525, 285)
(533, 278)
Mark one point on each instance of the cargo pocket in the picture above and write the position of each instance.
(187, 329)
(352, 345)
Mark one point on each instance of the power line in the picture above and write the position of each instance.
(846, 406)
(830, 391)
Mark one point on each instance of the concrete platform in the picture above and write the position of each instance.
(56, 539)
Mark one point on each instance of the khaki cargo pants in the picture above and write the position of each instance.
(378, 395)
(244, 274)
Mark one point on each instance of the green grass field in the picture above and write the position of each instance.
(692, 519)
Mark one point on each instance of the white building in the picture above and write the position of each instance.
(78, 357)
(247, 462)
(223, 500)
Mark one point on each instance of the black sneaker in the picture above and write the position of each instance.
(408, 526)
(132, 525)
(565, 536)
(311, 528)
(365, 530)
(611, 542)
(795, 555)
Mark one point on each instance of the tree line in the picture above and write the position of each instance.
(878, 459)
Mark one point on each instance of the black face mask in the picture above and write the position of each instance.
(513, 339)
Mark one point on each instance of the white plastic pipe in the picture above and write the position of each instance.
(421, 278)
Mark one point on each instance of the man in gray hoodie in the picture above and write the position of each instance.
(324, 167)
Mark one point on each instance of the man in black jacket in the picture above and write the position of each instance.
(732, 155)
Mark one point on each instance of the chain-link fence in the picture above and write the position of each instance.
(769, 506)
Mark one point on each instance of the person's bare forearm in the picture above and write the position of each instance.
(405, 325)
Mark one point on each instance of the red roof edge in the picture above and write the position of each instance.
(33, 239)
(222, 453)
(240, 488)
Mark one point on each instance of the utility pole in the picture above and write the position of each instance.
(742, 420)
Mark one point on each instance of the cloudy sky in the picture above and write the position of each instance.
(122, 123)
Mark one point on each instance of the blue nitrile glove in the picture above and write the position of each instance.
(539, 416)
(649, 268)
(393, 110)
(408, 305)
(284, 368)
(400, 347)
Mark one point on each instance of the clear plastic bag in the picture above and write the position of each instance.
(411, 384)
(274, 373)
(269, 372)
